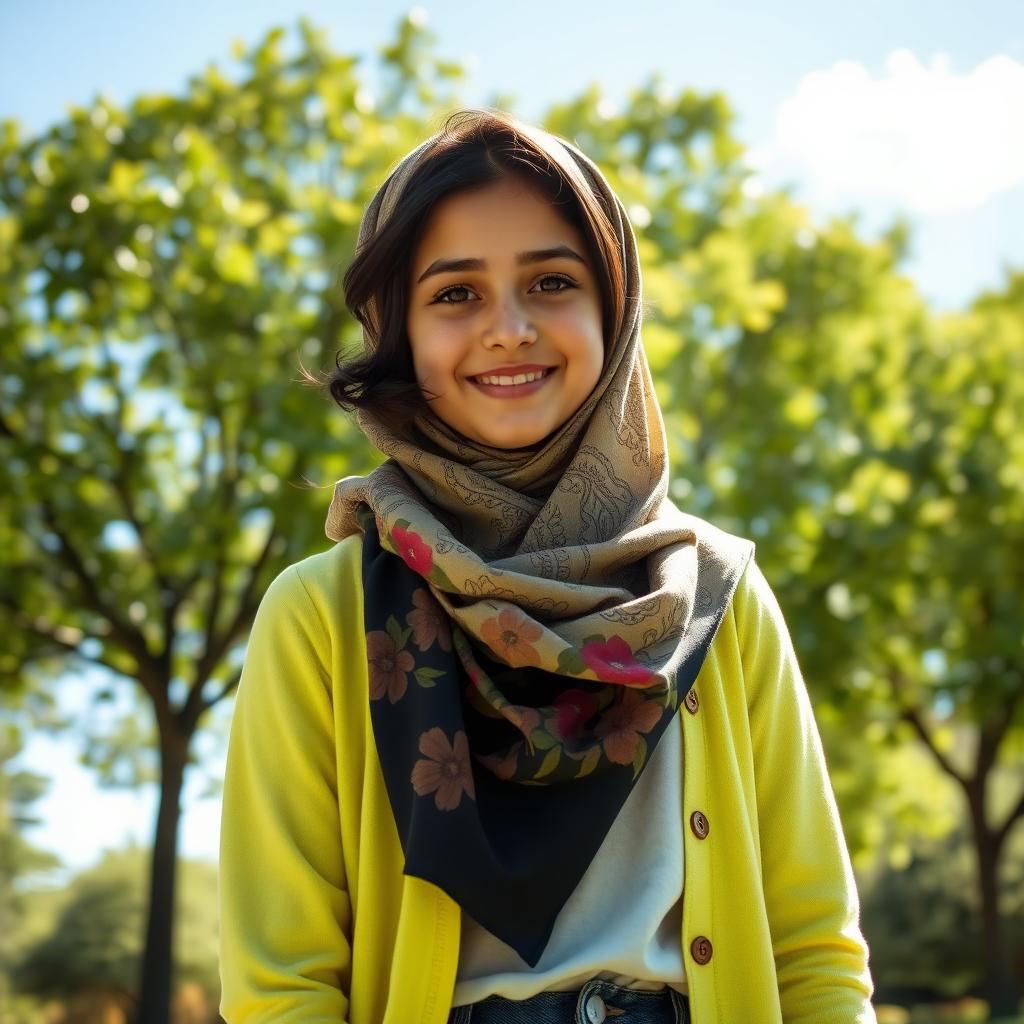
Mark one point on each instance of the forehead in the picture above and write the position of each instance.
(507, 216)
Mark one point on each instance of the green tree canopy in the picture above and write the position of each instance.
(95, 939)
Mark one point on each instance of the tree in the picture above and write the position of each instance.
(94, 944)
(163, 270)
(923, 917)
(20, 860)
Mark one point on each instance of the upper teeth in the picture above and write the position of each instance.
(519, 378)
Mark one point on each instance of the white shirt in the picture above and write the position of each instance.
(628, 934)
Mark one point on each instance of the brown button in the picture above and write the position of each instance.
(691, 702)
(700, 949)
(700, 825)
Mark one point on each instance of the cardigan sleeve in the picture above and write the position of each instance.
(285, 914)
(821, 957)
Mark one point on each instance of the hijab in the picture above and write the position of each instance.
(533, 618)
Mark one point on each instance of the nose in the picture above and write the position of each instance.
(510, 325)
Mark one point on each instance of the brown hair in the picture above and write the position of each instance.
(475, 148)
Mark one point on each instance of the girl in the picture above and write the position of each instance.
(528, 743)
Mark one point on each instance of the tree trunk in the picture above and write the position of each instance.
(157, 960)
(998, 987)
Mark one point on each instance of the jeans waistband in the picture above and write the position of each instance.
(597, 1002)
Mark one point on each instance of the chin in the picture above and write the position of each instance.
(512, 442)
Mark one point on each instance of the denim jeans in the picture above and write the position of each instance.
(595, 1003)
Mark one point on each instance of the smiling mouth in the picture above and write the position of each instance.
(512, 390)
(478, 379)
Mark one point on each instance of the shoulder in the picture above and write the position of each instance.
(755, 605)
(310, 591)
(768, 661)
(323, 573)
(729, 551)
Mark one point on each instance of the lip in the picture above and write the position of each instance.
(514, 390)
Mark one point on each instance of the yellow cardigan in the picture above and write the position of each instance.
(318, 923)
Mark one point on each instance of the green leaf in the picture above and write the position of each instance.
(550, 762)
(590, 761)
(425, 680)
(395, 631)
(570, 662)
(640, 757)
(542, 739)
(431, 673)
(438, 577)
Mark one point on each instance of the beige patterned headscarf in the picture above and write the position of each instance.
(571, 539)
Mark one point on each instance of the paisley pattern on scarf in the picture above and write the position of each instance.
(533, 618)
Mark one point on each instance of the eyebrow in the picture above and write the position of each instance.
(522, 259)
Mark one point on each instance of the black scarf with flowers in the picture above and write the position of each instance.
(503, 782)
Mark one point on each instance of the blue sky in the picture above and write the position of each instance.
(878, 107)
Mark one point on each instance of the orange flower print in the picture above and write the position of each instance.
(445, 771)
(510, 635)
(620, 726)
(413, 549)
(428, 621)
(388, 666)
(613, 662)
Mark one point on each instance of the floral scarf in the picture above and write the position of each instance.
(533, 618)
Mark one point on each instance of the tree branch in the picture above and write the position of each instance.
(50, 632)
(992, 733)
(39, 448)
(217, 646)
(216, 598)
(223, 691)
(911, 714)
(1004, 830)
(130, 639)
(120, 483)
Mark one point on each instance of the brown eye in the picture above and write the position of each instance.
(442, 296)
(559, 279)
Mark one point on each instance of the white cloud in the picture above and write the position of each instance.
(927, 137)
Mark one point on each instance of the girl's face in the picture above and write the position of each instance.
(501, 285)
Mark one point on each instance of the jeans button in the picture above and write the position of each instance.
(595, 1009)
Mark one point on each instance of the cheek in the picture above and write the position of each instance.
(580, 321)
(436, 355)
(584, 336)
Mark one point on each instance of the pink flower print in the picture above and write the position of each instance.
(620, 726)
(388, 666)
(613, 662)
(445, 771)
(572, 709)
(413, 549)
(510, 635)
(428, 621)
